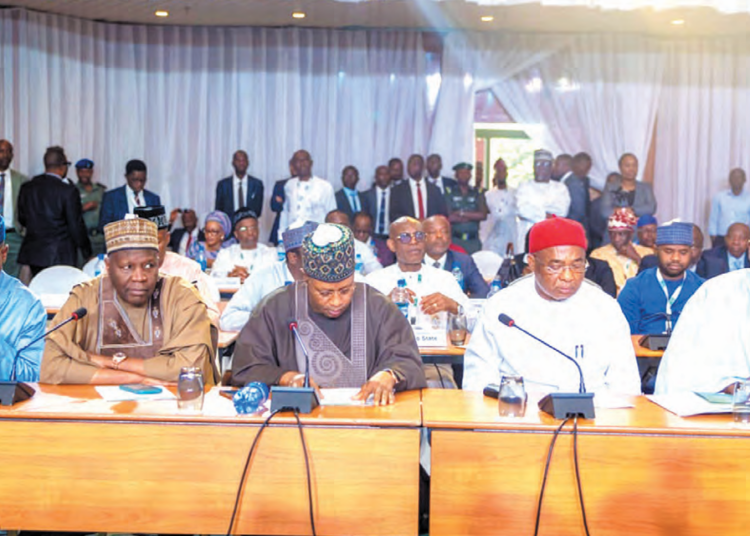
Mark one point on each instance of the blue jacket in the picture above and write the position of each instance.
(225, 196)
(715, 262)
(644, 303)
(115, 205)
(474, 284)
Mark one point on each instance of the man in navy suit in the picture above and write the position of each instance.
(120, 201)
(437, 240)
(348, 199)
(376, 203)
(277, 201)
(434, 167)
(240, 190)
(729, 257)
(416, 197)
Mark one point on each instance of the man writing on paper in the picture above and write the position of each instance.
(557, 305)
(354, 335)
(141, 327)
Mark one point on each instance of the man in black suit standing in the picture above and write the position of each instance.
(49, 207)
(376, 202)
(240, 190)
(416, 197)
(434, 167)
(277, 201)
(396, 170)
(348, 199)
(733, 255)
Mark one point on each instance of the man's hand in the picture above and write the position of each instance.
(437, 303)
(294, 378)
(239, 271)
(630, 252)
(383, 388)
(91, 205)
(173, 215)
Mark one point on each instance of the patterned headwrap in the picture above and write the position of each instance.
(222, 219)
(131, 233)
(622, 219)
(675, 233)
(328, 253)
(154, 213)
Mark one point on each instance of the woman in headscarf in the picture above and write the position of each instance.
(218, 232)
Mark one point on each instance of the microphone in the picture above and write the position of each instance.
(560, 405)
(301, 399)
(12, 391)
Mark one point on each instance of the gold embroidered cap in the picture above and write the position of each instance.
(131, 233)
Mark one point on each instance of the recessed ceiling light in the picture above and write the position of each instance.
(298, 15)
(161, 13)
(487, 18)
(678, 22)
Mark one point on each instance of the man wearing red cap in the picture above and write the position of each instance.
(557, 305)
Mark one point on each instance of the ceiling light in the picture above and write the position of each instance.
(678, 22)
(298, 15)
(487, 18)
(161, 13)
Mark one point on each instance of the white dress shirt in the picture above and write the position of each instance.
(367, 256)
(234, 255)
(309, 200)
(534, 200)
(8, 200)
(429, 261)
(130, 194)
(437, 182)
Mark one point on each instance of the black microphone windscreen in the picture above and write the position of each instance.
(505, 319)
(79, 313)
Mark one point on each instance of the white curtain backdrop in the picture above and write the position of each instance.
(184, 98)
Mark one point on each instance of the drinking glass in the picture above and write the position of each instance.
(741, 403)
(512, 397)
(190, 390)
(457, 328)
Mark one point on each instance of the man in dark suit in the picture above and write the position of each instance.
(437, 240)
(49, 207)
(376, 202)
(362, 229)
(348, 199)
(416, 197)
(434, 167)
(729, 257)
(123, 200)
(396, 170)
(10, 186)
(578, 184)
(240, 190)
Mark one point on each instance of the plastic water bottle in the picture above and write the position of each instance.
(401, 298)
(100, 265)
(250, 399)
(495, 286)
(281, 252)
(201, 257)
(459, 275)
(359, 265)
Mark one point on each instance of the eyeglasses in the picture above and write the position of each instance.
(577, 267)
(212, 231)
(406, 238)
(246, 228)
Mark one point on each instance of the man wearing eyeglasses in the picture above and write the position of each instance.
(49, 208)
(558, 306)
(239, 260)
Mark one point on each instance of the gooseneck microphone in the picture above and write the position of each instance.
(560, 405)
(12, 391)
(302, 399)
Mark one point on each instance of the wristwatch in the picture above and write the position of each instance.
(118, 358)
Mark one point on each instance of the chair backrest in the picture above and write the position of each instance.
(488, 263)
(57, 280)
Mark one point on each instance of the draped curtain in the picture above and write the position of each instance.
(184, 98)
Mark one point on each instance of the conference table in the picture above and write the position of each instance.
(644, 471)
(72, 461)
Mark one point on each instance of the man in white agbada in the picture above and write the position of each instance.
(540, 198)
(500, 228)
(436, 291)
(241, 260)
(710, 347)
(306, 197)
(557, 305)
(365, 256)
(268, 279)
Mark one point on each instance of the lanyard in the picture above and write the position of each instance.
(670, 299)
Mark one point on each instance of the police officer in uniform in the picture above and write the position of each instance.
(466, 208)
(91, 201)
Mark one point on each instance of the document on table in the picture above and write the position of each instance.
(342, 397)
(688, 404)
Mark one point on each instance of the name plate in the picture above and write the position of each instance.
(430, 338)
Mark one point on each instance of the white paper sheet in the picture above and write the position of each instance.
(342, 397)
(687, 404)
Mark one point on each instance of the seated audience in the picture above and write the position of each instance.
(558, 306)
(362, 229)
(646, 231)
(364, 255)
(466, 209)
(267, 279)
(653, 300)
(709, 349)
(348, 199)
(22, 319)
(241, 259)
(355, 336)
(729, 257)
(218, 235)
(437, 232)
(182, 238)
(626, 191)
(240, 190)
(120, 201)
(141, 327)
(621, 254)
(728, 207)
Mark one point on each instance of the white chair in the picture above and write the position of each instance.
(57, 280)
(90, 267)
(488, 263)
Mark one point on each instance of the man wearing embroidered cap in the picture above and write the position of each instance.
(141, 326)
(557, 305)
(354, 335)
(621, 254)
(91, 200)
(239, 260)
(652, 301)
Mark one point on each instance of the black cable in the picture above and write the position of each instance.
(442, 385)
(307, 467)
(244, 471)
(578, 475)
(546, 472)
